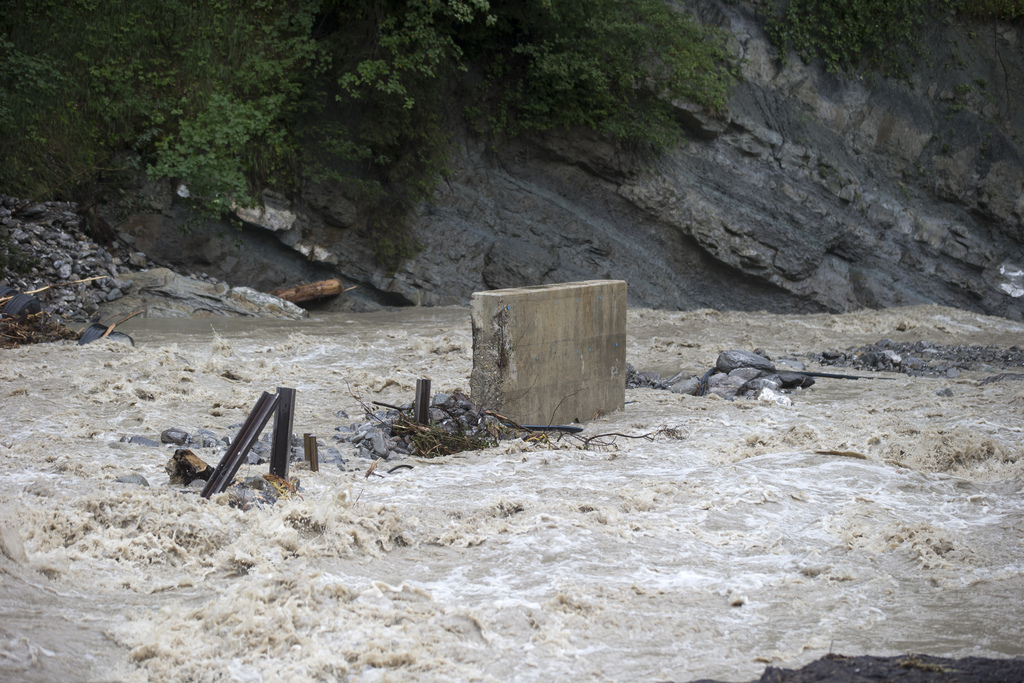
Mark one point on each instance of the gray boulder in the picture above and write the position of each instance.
(735, 358)
(163, 293)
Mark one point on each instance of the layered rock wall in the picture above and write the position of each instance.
(814, 192)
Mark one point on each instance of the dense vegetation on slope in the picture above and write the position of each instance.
(883, 35)
(228, 96)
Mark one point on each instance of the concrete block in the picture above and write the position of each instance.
(551, 354)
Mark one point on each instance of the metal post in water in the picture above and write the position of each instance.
(422, 414)
(312, 452)
(266, 405)
(282, 441)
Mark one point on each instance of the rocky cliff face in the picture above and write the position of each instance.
(814, 192)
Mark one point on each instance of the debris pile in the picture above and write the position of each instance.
(647, 380)
(49, 247)
(33, 328)
(455, 425)
(185, 467)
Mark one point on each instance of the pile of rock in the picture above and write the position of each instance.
(736, 374)
(49, 238)
(922, 358)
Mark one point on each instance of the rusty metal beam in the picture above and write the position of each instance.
(312, 452)
(265, 406)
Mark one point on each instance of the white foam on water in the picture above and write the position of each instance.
(868, 517)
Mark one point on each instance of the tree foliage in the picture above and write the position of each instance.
(227, 96)
(882, 35)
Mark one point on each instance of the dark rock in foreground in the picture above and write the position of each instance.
(905, 669)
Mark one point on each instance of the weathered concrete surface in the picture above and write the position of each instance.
(550, 354)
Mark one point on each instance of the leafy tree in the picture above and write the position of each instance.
(197, 90)
(230, 95)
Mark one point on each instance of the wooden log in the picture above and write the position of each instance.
(313, 290)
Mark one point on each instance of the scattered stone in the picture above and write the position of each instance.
(137, 479)
(332, 455)
(256, 483)
(759, 384)
(743, 375)
(379, 446)
(736, 373)
(245, 498)
(793, 380)
(728, 385)
(50, 237)
(768, 394)
(922, 358)
(644, 380)
(790, 364)
(259, 453)
(944, 391)
(207, 439)
(176, 436)
(261, 491)
(140, 441)
(686, 386)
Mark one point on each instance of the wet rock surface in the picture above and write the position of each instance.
(922, 358)
(47, 248)
(813, 192)
(907, 669)
(736, 374)
(746, 374)
(50, 238)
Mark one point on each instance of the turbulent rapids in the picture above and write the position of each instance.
(867, 517)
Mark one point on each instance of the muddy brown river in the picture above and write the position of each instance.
(868, 517)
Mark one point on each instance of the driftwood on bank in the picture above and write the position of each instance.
(313, 290)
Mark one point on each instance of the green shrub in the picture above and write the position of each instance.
(876, 35)
(82, 80)
(609, 65)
